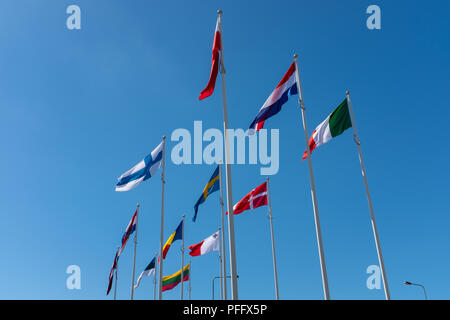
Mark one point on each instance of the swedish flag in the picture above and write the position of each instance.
(212, 186)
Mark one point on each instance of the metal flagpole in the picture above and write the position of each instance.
(134, 258)
(115, 281)
(275, 273)
(369, 200)
(220, 263)
(182, 258)
(313, 187)
(223, 255)
(234, 289)
(163, 182)
(156, 276)
(190, 276)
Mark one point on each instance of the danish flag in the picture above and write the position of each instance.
(254, 199)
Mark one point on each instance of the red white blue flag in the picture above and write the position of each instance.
(273, 104)
(129, 231)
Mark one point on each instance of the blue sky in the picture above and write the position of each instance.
(80, 107)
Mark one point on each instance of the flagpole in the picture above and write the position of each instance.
(182, 258)
(115, 281)
(275, 273)
(163, 182)
(231, 238)
(369, 200)
(220, 263)
(134, 256)
(313, 187)
(223, 255)
(190, 276)
(155, 277)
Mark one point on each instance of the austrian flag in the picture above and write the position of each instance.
(254, 199)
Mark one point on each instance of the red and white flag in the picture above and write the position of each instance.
(254, 199)
(111, 273)
(209, 244)
(217, 47)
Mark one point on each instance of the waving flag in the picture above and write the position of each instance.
(129, 230)
(209, 244)
(335, 124)
(142, 171)
(111, 273)
(149, 270)
(217, 47)
(176, 235)
(170, 282)
(254, 199)
(212, 186)
(286, 87)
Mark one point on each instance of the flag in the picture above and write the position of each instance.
(212, 186)
(142, 171)
(170, 282)
(176, 235)
(111, 273)
(148, 271)
(254, 199)
(273, 104)
(336, 123)
(129, 231)
(217, 47)
(209, 244)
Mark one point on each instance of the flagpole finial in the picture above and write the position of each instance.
(164, 137)
(347, 92)
(295, 56)
(219, 12)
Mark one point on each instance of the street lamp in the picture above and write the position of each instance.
(419, 285)
(218, 277)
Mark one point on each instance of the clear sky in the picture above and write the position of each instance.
(80, 107)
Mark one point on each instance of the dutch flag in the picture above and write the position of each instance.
(142, 171)
(286, 87)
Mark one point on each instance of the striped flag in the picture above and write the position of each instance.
(335, 124)
(212, 186)
(170, 282)
(148, 271)
(209, 244)
(142, 171)
(176, 235)
(217, 47)
(129, 231)
(273, 104)
(111, 273)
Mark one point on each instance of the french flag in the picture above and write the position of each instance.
(129, 231)
(286, 87)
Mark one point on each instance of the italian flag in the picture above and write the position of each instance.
(336, 123)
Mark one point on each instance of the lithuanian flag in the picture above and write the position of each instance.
(170, 282)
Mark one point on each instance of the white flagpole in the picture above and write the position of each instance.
(163, 182)
(115, 281)
(182, 258)
(369, 200)
(190, 276)
(155, 277)
(231, 238)
(313, 187)
(223, 255)
(134, 257)
(275, 273)
(220, 263)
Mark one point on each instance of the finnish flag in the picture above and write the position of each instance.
(142, 171)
